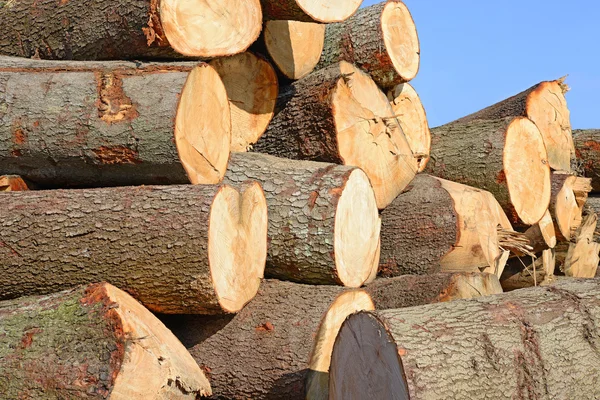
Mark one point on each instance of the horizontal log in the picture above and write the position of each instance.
(177, 249)
(532, 343)
(92, 342)
(309, 10)
(87, 124)
(587, 150)
(76, 30)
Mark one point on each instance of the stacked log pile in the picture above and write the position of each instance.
(217, 222)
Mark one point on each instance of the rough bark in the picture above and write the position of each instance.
(12, 183)
(309, 10)
(152, 242)
(473, 152)
(366, 40)
(77, 30)
(332, 115)
(91, 342)
(89, 124)
(437, 225)
(538, 343)
(587, 150)
(268, 350)
(304, 238)
(418, 290)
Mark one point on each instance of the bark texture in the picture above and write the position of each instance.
(77, 344)
(587, 150)
(264, 352)
(538, 343)
(418, 290)
(90, 124)
(149, 241)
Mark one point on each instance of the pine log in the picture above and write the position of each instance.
(92, 342)
(538, 343)
(587, 150)
(407, 105)
(78, 30)
(177, 249)
(568, 196)
(524, 272)
(252, 88)
(339, 115)
(88, 124)
(417, 290)
(381, 39)
(283, 337)
(437, 225)
(309, 10)
(323, 219)
(583, 255)
(546, 106)
(12, 183)
(294, 46)
(505, 156)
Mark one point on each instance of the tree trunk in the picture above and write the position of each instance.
(77, 30)
(92, 342)
(546, 106)
(438, 225)
(252, 88)
(277, 347)
(418, 290)
(538, 343)
(506, 157)
(407, 105)
(177, 249)
(323, 219)
(326, 11)
(12, 183)
(587, 150)
(294, 46)
(381, 39)
(568, 196)
(527, 272)
(339, 115)
(84, 124)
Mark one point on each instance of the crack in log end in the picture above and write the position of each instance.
(155, 33)
(113, 105)
(116, 155)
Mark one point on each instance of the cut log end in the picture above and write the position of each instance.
(199, 28)
(547, 108)
(408, 108)
(203, 126)
(401, 39)
(357, 227)
(12, 183)
(346, 304)
(252, 88)
(379, 369)
(328, 11)
(546, 228)
(237, 244)
(294, 46)
(369, 136)
(583, 256)
(525, 160)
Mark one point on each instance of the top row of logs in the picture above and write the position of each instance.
(167, 29)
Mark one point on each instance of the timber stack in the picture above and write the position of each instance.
(217, 198)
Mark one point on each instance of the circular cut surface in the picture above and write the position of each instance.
(401, 39)
(568, 213)
(547, 108)
(294, 46)
(369, 136)
(346, 304)
(329, 10)
(203, 126)
(252, 88)
(407, 105)
(527, 170)
(365, 363)
(237, 244)
(211, 28)
(356, 232)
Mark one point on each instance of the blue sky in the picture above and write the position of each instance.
(477, 52)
